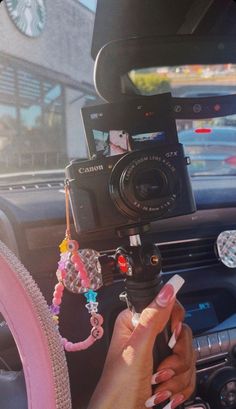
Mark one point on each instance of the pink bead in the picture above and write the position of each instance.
(77, 266)
(59, 288)
(58, 294)
(63, 274)
(75, 258)
(96, 320)
(80, 346)
(64, 341)
(56, 301)
(97, 332)
(68, 346)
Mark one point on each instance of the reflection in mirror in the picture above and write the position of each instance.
(197, 80)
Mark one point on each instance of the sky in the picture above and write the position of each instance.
(91, 4)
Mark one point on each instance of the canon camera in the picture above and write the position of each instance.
(138, 171)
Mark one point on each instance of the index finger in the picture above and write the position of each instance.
(155, 317)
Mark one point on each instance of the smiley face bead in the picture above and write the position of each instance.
(97, 332)
(96, 320)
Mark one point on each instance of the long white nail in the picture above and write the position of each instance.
(169, 291)
(172, 341)
(150, 402)
(178, 400)
(175, 336)
(177, 282)
(158, 398)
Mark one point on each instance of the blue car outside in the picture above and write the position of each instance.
(212, 150)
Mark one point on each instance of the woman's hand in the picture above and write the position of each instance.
(127, 379)
(176, 376)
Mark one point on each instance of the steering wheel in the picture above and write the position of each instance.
(37, 338)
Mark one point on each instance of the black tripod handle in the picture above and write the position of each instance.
(142, 266)
(140, 295)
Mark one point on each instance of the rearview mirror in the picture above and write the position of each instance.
(118, 58)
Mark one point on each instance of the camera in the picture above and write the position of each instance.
(137, 172)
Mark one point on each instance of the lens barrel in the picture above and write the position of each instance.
(144, 185)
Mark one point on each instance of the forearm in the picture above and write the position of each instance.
(115, 394)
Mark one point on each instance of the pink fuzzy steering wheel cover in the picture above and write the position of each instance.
(38, 341)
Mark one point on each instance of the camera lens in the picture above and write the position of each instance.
(150, 184)
(144, 185)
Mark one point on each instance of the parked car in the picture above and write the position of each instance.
(211, 150)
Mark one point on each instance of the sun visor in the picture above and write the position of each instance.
(120, 19)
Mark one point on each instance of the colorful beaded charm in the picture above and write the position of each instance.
(80, 272)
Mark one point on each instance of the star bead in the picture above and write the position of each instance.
(92, 307)
(64, 246)
(91, 296)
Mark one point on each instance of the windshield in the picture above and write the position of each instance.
(210, 143)
(46, 77)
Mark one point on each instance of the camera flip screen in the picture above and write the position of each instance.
(117, 142)
(117, 128)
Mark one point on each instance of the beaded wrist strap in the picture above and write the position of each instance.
(77, 273)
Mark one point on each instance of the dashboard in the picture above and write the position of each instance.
(32, 224)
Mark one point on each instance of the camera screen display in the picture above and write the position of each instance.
(116, 142)
(136, 124)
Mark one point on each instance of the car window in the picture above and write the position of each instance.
(210, 143)
(46, 76)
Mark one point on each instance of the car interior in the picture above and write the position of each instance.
(176, 58)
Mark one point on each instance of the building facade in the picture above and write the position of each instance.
(46, 76)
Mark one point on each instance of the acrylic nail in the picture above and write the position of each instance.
(178, 399)
(158, 398)
(175, 336)
(169, 291)
(162, 376)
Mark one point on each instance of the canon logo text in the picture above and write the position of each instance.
(90, 169)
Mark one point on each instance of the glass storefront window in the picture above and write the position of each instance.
(32, 128)
(40, 122)
(8, 134)
(31, 117)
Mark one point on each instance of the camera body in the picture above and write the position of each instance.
(137, 187)
(137, 172)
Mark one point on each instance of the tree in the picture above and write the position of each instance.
(151, 83)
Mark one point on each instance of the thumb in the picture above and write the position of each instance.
(155, 317)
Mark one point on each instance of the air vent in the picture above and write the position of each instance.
(188, 254)
(32, 186)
